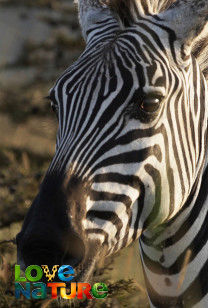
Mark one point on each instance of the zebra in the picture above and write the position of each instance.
(131, 152)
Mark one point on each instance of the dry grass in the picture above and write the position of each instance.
(184, 268)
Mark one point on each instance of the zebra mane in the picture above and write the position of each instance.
(128, 10)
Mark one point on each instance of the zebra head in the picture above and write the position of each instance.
(131, 137)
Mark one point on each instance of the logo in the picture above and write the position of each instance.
(47, 273)
(31, 287)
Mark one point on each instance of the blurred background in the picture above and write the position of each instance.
(38, 41)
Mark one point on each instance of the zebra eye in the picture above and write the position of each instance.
(54, 107)
(151, 104)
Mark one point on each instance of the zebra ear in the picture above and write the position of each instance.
(92, 12)
(187, 18)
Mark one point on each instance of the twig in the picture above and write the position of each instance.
(184, 268)
(140, 287)
(47, 303)
(13, 241)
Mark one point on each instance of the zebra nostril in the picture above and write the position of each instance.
(40, 253)
(35, 251)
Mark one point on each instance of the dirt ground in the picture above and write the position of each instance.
(30, 62)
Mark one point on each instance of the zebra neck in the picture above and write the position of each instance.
(175, 260)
